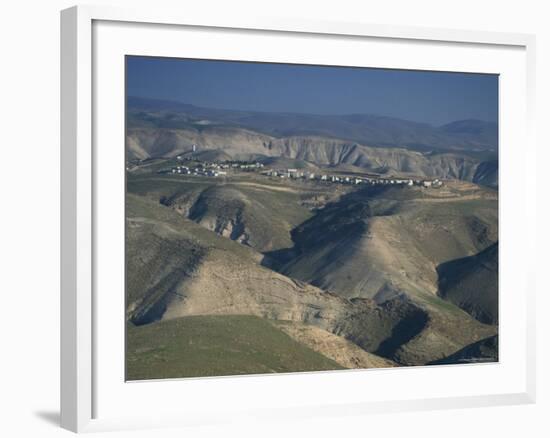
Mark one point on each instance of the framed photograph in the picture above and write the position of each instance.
(283, 218)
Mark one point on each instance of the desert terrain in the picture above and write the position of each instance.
(250, 250)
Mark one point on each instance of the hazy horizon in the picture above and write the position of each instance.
(435, 98)
(302, 113)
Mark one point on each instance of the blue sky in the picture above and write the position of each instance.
(431, 97)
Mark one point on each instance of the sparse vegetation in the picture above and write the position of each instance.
(248, 273)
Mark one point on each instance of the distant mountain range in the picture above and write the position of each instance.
(465, 150)
(367, 129)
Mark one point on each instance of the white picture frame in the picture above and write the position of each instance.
(82, 370)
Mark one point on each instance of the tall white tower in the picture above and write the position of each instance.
(194, 148)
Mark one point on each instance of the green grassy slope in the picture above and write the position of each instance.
(216, 346)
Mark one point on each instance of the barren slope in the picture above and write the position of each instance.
(379, 242)
(192, 271)
(258, 213)
(342, 351)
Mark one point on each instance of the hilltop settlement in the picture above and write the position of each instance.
(195, 167)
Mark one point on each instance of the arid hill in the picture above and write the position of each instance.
(177, 268)
(239, 143)
(238, 268)
(472, 284)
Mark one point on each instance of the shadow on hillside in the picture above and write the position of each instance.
(350, 208)
(406, 329)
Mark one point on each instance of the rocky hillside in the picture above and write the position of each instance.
(177, 268)
(322, 151)
(290, 274)
(258, 216)
(147, 142)
(377, 242)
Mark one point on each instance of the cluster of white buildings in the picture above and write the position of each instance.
(237, 165)
(204, 164)
(197, 171)
(289, 173)
(205, 168)
(296, 174)
(246, 166)
(215, 169)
